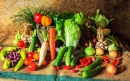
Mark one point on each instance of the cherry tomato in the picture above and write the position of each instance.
(74, 71)
(78, 66)
(32, 66)
(36, 56)
(64, 67)
(30, 55)
(68, 67)
(21, 43)
(27, 61)
(45, 63)
(37, 17)
(57, 68)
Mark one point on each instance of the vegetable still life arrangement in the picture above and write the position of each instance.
(57, 36)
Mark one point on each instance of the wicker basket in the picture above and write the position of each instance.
(39, 32)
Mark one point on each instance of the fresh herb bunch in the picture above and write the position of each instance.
(26, 15)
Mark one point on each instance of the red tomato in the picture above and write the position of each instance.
(45, 63)
(32, 66)
(37, 17)
(21, 43)
(57, 68)
(30, 55)
(27, 61)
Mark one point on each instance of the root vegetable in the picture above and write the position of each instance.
(111, 69)
(89, 51)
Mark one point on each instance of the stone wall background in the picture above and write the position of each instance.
(118, 9)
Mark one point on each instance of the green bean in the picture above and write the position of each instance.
(93, 65)
(60, 56)
(68, 55)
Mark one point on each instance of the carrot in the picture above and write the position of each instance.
(52, 33)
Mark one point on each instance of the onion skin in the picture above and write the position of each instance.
(99, 51)
(111, 69)
(113, 53)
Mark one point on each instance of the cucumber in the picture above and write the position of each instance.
(60, 56)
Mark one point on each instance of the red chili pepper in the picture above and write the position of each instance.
(89, 60)
(118, 54)
(82, 63)
(121, 69)
(106, 61)
(105, 57)
(117, 61)
(113, 61)
(86, 64)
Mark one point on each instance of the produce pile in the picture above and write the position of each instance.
(62, 35)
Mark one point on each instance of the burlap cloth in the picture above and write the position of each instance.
(48, 73)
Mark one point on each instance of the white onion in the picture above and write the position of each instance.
(111, 69)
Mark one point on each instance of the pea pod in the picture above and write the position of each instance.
(90, 73)
(93, 65)
(23, 54)
(75, 59)
(19, 64)
(68, 55)
(3, 54)
(6, 64)
(60, 56)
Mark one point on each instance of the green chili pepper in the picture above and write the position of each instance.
(56, 18)
(75, 59)
(60, 56)
(68, 55)
(93, 65)
(90, 73)
(10, 48)
(6, 64)
(23, 54)
(3, 54)
(19, 64)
